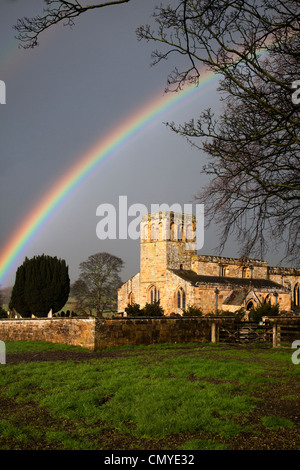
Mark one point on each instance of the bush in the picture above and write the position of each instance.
(264, 310)
(133, 310)
(150, 310)
(153, 310)
(192, 311)
(239, 314)
(3, 313)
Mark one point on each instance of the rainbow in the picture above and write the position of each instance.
(85, 164)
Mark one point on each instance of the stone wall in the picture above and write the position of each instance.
(231, 267)
(131, 288)
(96, 334)
(127, 331)
(72, 331)
(103, 333)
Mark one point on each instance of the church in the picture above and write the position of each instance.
(172, 272)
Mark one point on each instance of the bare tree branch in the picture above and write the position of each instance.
(29, 29)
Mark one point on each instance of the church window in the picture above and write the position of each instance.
(224, 271)
(297, 295)
(153, 295)
(246, 272)
(190, 233)
(131, 299)
(180, 233)
(172, 231)
(154, 232)
(144, 231)
(180, 298)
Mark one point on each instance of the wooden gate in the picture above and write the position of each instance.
(276, 331)
(245, 332)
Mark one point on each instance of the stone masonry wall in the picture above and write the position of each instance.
(135, 331)
(132, 286)
(212, 266)
(97, 334)
(72, 331)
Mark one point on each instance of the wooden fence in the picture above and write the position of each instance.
(275, 331)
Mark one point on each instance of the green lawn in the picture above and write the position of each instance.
(151, 397)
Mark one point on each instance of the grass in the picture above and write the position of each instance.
(185, 396)
(38, 346)
(198, 444)
(156, 399)
(275, 422)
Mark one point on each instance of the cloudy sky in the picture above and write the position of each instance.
(62, 98)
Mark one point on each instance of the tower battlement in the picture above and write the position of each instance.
(168, 226)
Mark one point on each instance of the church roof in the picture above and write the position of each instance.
(236, 297)
(203, 279)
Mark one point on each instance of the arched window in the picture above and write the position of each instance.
(267, 299)
(154, 232)
(180, 298)
(190, 234)
(250, 305)
(180, 232)
(174, 232)
(130, 298)
(160, 232)
(153, 295)
(144, 231)
(246, 272)
(224, 271)
(297, 295)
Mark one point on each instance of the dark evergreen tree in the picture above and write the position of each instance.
(42, 283)
(17, 300)
(3, 313)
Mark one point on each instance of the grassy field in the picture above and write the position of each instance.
(184, 397)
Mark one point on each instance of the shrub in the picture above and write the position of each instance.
(150, 310)
(264, 310)
(133, 310)
(153, 310)
(239, 314)
(3, 313)
(192, 311)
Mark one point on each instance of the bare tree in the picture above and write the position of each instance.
(56, 11)
(80, 292)
(253, 145)
(99, 281)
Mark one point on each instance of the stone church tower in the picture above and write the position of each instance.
(172, 272)
(165, 237)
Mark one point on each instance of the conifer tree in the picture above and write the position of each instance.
(42, 283)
